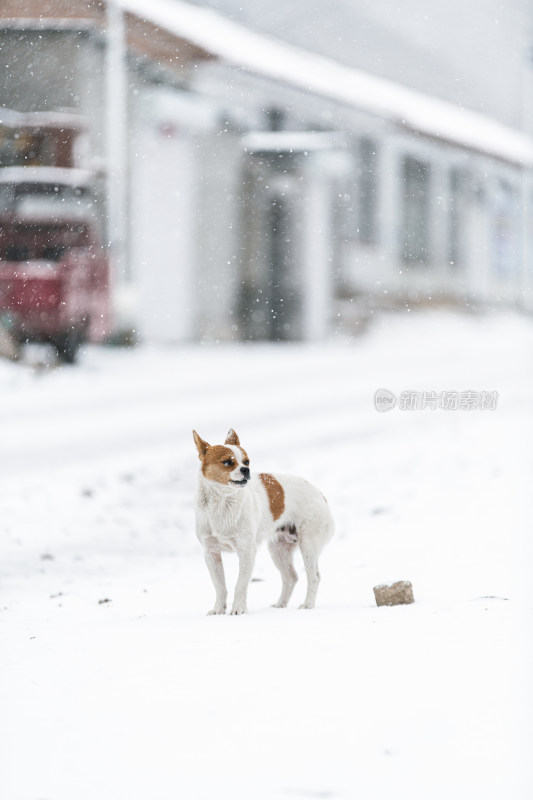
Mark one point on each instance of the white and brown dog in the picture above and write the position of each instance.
(236, 510)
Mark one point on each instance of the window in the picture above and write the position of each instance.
(367, 194)
(506, 230)
(457, 184)
(415, 225)
(36, 146)
(17, 252)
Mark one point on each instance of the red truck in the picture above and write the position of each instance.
(54, 276)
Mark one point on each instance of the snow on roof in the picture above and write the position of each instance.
(42, 119)
(43, 23)
(271, 58)
(60, 176)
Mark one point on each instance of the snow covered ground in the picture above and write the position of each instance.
(115, 685)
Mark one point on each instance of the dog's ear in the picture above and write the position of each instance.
(232, 438)
(201, 445)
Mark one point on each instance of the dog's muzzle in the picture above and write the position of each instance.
(245, 472)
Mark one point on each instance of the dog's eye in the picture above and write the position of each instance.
(228, 462)
(246, 463)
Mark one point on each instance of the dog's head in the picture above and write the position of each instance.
(227, 464)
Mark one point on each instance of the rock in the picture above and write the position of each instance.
(399, 593)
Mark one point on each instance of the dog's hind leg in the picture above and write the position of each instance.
(312, 538)
(310, 557)
(282, 552)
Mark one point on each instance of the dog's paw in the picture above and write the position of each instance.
(216, 610)
(279, 605)
(307, 605)
(238, 610)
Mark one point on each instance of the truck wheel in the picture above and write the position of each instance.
(67, 346)
(9, 344)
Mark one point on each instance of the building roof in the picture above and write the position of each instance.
(42, 119)
(474, 55)
(409, 109)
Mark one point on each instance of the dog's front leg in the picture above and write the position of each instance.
(213, 559)
(246, 565)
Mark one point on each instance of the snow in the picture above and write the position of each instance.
(42, 119)
(115, 683)
(260, 54)
(47, 175)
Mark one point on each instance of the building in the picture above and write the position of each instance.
(475, 55)
(250, 189)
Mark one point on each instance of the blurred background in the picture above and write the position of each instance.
(210, 171)
(257, 214)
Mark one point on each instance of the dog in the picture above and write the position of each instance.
(236, 510)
